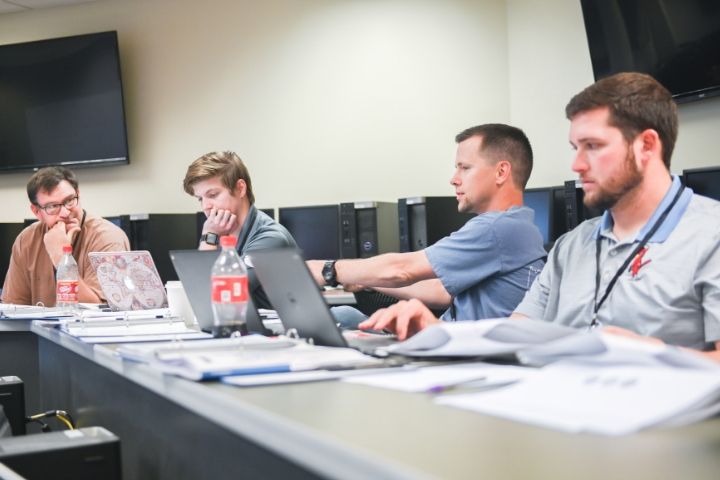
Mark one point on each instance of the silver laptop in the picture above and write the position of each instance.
(129, 280)
(300, 305)
(193, 268)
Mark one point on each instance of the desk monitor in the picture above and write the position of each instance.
(422, 221)
(161, 232)
(270, 212)
(8, 233)
(703, 181)
(123, 222)
(540, 200)
(316, 229)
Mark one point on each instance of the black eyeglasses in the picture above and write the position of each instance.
(54, 208)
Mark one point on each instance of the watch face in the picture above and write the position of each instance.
(211, 238)
(328, 273)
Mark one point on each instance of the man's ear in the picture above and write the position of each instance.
(36, 211)
(649, 144)
(240, 188)
(503, 171)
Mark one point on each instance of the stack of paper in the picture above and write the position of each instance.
(135, 329)
(249, 355)
(494, 337)
(9, 311)
(603, 349)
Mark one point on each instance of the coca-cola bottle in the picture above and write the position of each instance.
(229, 291)
(67, 281)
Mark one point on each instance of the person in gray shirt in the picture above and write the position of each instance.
(650, 266)
(482, 270)
(221, 183)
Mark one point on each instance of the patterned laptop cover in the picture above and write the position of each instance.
(129, 280)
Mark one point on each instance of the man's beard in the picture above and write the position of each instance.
(606, 197)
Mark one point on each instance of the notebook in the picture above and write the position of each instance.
(129, 280)
(193, 268)
(300, 304)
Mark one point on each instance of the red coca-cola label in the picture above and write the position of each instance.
(67, 291)
(230, 289)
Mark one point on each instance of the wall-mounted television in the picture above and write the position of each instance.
(61, 103)
(675, 41)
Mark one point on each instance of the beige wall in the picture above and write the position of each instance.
(326, 100)
(330, 100)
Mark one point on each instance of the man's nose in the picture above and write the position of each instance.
(579, 163)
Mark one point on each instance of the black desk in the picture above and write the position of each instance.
(173, 428)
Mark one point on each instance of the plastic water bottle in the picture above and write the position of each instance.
(67, 281)
(229, 291)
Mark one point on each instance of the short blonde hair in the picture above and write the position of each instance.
(226, 165)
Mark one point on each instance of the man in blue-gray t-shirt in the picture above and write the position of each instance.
(484, 269)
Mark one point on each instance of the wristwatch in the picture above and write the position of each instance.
(210, 238)
(330, 274)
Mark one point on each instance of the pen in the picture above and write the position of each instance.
(444, 387)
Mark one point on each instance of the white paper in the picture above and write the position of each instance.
(491, 337)
(148, 338)
(305, 376)
(427, 379)
(610, 400)
(296, 358)
(123, 329)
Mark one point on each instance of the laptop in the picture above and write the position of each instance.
(300, 304)
(193, 268)
(129, 280)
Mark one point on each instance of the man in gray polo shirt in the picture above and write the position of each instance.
(650, 265)
(484, 269)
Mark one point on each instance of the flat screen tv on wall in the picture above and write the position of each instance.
(61, 103)
(675, 41)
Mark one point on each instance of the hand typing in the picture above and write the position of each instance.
(405, 318)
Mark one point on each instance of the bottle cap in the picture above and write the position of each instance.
(67, 248)
(228, 241)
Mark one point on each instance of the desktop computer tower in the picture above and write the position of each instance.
(422, 221)
(368, 229)
(88, 453)
(575, 210)
(159, 233)
(12, 399)
(559, 215)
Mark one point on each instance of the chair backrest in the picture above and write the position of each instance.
(368, 301)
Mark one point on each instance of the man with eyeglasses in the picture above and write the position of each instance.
(55, 201)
